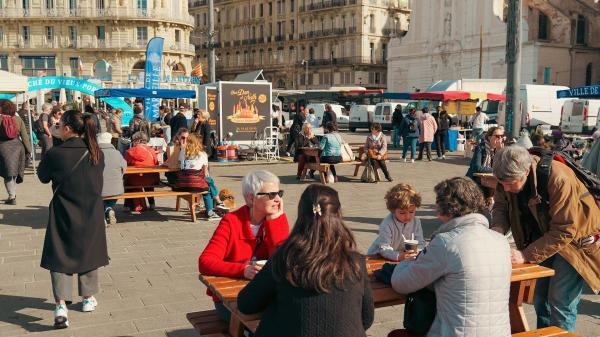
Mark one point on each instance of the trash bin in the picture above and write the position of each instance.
(451, 141)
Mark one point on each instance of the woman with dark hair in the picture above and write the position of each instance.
(467, 264)
(483, 156)
(376, 149)
(13, 150)
(54, 125)
(316, 284)
(75, 241)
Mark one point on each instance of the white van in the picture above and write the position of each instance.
(539, 104)
(361, 116)
(580, 115)
(340, 113)
(383, 113)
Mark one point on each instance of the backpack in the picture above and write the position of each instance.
(412, 126)
(589, 179)
(8, 129)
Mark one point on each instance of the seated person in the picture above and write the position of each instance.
(468, 265)
(376, 149)
(400, 225)
(194, 176)
(249, 234)
(114, 167)
(306, 138)
(173, 151)
(141, 154)
(316, 284)
(331, 147)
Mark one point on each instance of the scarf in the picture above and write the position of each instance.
(487, 161)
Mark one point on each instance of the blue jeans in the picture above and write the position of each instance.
(556, 298)
(109, 204)
(396, 137)
(412, 141)
(477, 134)
(209, 197)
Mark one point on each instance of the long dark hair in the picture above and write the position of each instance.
(321, 252)
(84, 126)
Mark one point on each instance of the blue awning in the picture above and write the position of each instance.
(396, 95)
(590, 91)
(145, 93)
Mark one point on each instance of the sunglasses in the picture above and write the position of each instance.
(272, 195)
(499, 136)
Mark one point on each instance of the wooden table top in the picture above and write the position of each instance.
(148, 169)
(487, 175)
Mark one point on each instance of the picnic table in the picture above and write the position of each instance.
(521, 291)
(141, 170)
(487, 180)
(313, 162)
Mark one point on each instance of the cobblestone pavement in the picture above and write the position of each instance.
(152, 281)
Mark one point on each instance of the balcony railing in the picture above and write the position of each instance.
(324, 5)
(97, 44)
(279, 38)
(345, 61)
(199, 3)
(107, 13)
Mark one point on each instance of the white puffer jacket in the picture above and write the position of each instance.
(470, 269)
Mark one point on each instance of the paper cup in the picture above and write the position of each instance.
(260, 263)
(411, 245)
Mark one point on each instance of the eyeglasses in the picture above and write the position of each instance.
(499, 136)
(272, 195)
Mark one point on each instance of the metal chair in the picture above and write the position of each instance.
(271, 143)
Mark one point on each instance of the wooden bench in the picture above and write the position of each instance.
(551, 331)
(313, 162)
(193, 198)
(208, 323)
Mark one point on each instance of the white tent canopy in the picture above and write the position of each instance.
(12, 83)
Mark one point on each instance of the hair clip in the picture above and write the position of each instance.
(317, 210)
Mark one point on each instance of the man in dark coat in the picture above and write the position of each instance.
(396, 122)
(329, 116)
(295, 129)
(178, 121)
(75, 241)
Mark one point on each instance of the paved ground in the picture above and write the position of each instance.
(151, 281)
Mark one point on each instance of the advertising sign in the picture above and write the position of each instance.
(245, 109)
(154, 51)
(212, 106)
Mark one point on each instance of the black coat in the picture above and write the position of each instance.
(203, 131)
(397, 118)
(329, 116)
(75, 239)
(177, 122)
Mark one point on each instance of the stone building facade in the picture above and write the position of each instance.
(103, 40)
(561, 43)
(342, 42)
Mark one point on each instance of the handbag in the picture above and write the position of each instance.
(368, 175)
(191, 180)
(374, 153)
(347, 154)
(419, 311)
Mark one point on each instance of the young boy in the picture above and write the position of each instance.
(401, 224)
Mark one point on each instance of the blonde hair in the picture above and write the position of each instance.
(402, 196)
(205, 114)
(193, 146)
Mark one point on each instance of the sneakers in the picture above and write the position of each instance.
(213, 217)
(151, 207)
(412, 161)
(110, 216)
(12, 201)
(89, 304)
(404, 160)
(443, 157)
(61, 320)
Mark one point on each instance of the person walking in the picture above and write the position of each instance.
(139, 123)
(114, 168)
(478, 122)
(55, 116)
(42, 129)
(329, 116)
(555, 222)
(396, 123)
(201, 127)
(428, 130)
(75, 241)
(444, 122)
(115, 127)
(26, 117)
(178, 121)
(376, 150)
(312, 119)
(14, 149)
(295, 130)
(410, 130)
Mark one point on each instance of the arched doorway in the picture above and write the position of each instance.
(178, 70)
(281, 84)
(139, 68)
(103, 70)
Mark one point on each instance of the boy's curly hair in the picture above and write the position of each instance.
(402, 196)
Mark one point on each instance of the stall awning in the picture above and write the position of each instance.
(441, 95)
(590, 91)
(496, 97)
(145, 93)
(12, 83)
(396, 95)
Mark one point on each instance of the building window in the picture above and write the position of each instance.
(588, 74)
(177, 35)
(372, 52)
(142, 35)
(26, 4)
(238, 60)
(26, 34)
(292, 5)
(543, 26)
(103, 71)
(101, 33)
(142, 4)
(100, 4)
(1, 4)
(261, 10)
(581, 30)
(4, 62)
(38, 66)
(49, 4)
(74, 63)
(72, 35)
(1, 35)
(49, 34)
(353, 21)
(72, 4)
(547, 73)
(292, 27)
(270, 8)
(372, 24)
(384, 53)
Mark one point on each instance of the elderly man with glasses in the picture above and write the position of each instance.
(555, 222)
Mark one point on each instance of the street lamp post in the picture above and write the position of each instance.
(305, 64)
(211, 47)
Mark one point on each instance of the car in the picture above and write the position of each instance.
(340, 113)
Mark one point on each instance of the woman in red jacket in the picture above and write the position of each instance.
(248, 235)
(141, 154)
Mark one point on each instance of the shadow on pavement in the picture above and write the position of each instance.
(35, 217)
(12, 304)
(587, 307)
(183, 333)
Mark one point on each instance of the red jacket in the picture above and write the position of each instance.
(232, 244)
(141, 155)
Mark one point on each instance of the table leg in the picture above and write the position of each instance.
(520, 292)
(236, 328)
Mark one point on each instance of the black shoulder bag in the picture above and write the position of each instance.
(419, 311)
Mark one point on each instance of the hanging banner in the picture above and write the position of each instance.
(154, 51)
(245, 109)
(212, 106)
